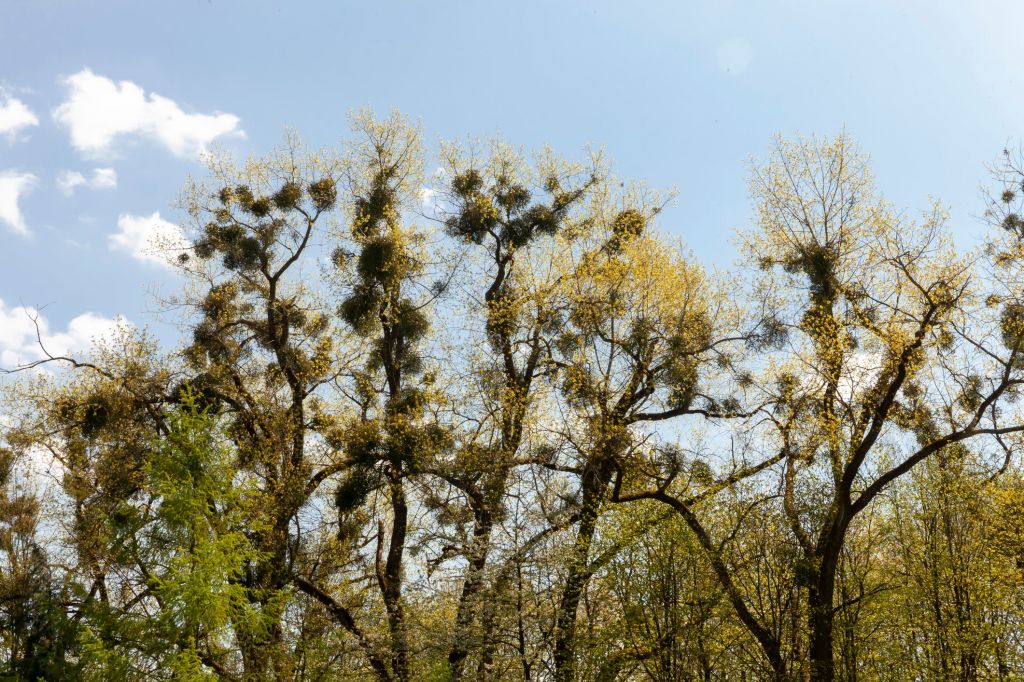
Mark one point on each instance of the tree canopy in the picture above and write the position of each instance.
(490, 422)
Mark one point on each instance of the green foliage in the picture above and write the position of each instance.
(490, 423)
(190, 536)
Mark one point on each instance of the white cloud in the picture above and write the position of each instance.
(97, 111)
(13, 186)
(102, 178)
(149, 239)
(67, 181)
(428, 197)
(14, 116)
(19, 345)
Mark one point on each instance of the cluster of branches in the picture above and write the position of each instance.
(489, 423)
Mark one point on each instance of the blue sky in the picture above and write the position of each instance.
(105, 106)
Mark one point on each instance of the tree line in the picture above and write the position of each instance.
(490, 422)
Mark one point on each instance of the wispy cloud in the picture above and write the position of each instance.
(13, 186)
(102, 178)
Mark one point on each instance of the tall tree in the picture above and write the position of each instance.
(502, 207)
(644, 329)
(888, 361)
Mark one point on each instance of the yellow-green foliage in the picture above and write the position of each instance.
(482, 419)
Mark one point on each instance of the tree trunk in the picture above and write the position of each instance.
(821, 624)
(821, 604)
(390, 577)
(471, 590)
(262, 646)
(594, 485)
